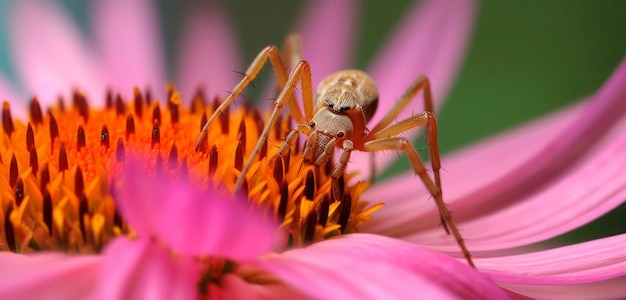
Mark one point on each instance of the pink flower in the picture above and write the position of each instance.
(510, 191)
(181, 232)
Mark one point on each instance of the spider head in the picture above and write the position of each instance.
(330, 129)
(329, 123)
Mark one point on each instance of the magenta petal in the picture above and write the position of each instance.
(192, 222)
(127, 34)
(584, 193)
(591, 261)
(49, 53)
(375, 267)
(490, 177)
(407, 209)
(48, 276)
(327, 29)
(209, 57)
(580, 173)
(143, 269)
(430, 41)
(599, 115)
(579, 138)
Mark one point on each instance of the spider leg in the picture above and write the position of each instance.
(292, 50)
(421, 83)
(271, 53)
(301, 73)
(422, 119)
(340, 167)
(386, 139)
(292, 53)
(290, 140)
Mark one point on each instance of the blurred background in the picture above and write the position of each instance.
(525, 59)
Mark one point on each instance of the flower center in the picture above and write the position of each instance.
(61, 170)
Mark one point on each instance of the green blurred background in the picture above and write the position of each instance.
(526, 58)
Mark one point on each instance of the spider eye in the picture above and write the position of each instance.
(340, 134)
(329, 103)
(344, 108)
(312, 124)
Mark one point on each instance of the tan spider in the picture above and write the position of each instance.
(344, 102)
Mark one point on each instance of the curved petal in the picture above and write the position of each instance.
(192, 222)
(359, 266)
(143, 269)
(406, 207)
(586, 262)
(50, 54)
(40, 276)
(586, 192)
(327, 29)
(582, 195)
(209, 54)
(599, 115)
(431, 41)
(607, 289)
(474, 193)
(127, 34)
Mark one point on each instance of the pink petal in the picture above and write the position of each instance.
(143, 269)
(473, 192)
(586, 262)
(375, 267)
(408, 207)
(608, 289)
(209, 56)
(599, 115)
(50, 55)
(192, 222)
(127, 34)
(582, 195)
(47, 275)
(431, 41)
(18, 105)
(328, 31)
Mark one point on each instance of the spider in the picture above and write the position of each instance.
(344, 103)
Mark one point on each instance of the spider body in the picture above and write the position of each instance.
(345, 102)
(337, 116)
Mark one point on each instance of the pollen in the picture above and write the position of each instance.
(61, 170)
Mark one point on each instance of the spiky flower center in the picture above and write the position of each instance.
(61, 170)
